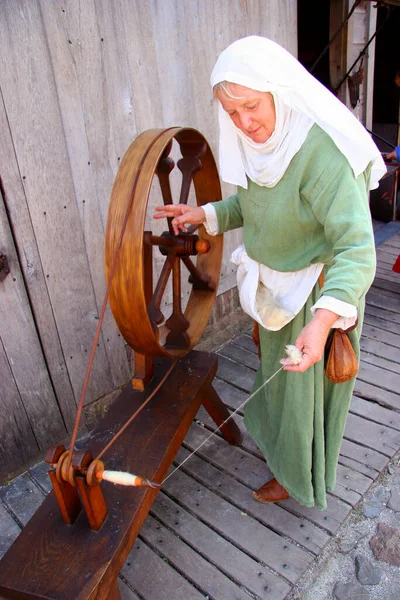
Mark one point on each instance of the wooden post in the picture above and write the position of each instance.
(67, 496)
(93, 502)
(144, 369)
(91, 495)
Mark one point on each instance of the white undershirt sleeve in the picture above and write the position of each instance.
(347, 312)
(211, 223)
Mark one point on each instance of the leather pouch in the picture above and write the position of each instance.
(341, 361)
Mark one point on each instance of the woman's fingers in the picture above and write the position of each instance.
(181, 215)
(311, 342)
(170, 210)
(178, 223)
(174, 211)
(306, 362)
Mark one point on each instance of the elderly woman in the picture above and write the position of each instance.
(303, 166)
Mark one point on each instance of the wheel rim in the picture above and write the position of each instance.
(134, 303)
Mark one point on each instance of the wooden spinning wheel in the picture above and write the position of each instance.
(136, 307)
(142, 445)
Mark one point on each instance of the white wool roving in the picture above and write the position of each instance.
(294, 354)
(120, 478)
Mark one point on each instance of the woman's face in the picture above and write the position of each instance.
(253, 113)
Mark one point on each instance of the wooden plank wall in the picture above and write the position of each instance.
(80, 79)
(26, 395)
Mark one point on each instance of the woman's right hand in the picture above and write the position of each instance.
(181, 215)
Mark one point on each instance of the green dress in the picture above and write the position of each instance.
(317, 213)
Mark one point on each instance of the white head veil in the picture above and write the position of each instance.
(267, 162)
(260, 64)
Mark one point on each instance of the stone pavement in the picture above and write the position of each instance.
(362, 561)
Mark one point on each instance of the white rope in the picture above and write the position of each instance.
(122, 478)
(223, 423)
(294, 358)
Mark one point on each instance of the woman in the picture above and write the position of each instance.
(303, 166)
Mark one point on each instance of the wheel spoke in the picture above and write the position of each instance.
(164, 168)
(189, 164)
(153, 308)
(200, 281)
(177, 323)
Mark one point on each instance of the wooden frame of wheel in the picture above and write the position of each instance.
(131, 285)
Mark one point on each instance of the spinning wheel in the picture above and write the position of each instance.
(136, 307)
(143, 446)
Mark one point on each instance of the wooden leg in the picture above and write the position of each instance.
(143, 371)
(218, 412)
(114, 592)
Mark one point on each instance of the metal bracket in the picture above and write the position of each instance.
(4, 267)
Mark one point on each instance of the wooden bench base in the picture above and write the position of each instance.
(56, 561)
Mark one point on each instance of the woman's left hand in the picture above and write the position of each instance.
(312, 340)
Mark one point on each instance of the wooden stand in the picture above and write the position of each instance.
(64, 552)
(56, 561)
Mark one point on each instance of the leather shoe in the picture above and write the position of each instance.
(272, 491)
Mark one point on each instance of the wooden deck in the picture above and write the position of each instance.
(206, 537)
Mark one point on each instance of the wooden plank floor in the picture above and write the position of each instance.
(206, 537)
